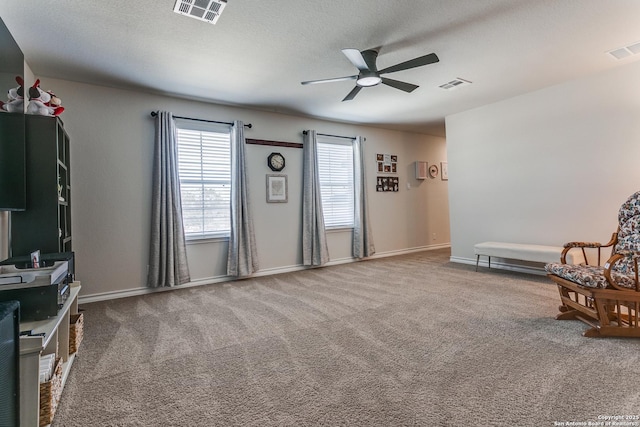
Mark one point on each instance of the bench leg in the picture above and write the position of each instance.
(478, 261)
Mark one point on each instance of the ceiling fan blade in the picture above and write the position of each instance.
(413, 63)
(407, 87)
(356, 58)
(337, 79)
(352, 94)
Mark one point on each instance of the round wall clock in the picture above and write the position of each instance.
(433, 171)
(275, 161)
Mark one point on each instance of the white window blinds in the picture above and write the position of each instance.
(204, 162)
(335, 167)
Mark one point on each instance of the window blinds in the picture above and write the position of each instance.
(335, 168)
(204, 159)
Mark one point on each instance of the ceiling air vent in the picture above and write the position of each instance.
(202, 10)
(626, 51)
(456, 83)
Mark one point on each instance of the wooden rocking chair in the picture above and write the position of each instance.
(606, 297)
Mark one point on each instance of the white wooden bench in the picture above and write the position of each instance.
(524, 252)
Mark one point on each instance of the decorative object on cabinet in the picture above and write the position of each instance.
(387, 163)
(444, 170)
(277, 188)
(421, 170)
(387, 184)
(275, 161)
(40, 102)
(46, 224)
(433, 171)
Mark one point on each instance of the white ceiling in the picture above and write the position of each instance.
(259, 51)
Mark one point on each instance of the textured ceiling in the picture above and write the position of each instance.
(259, 51)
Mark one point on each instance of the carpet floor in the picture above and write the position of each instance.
(412, 340)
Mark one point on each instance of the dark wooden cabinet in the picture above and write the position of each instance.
(46, 222)
(12, 166)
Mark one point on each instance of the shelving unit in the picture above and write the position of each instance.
(46, 222)
(55, 339)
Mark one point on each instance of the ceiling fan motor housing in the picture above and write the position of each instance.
(370, 76)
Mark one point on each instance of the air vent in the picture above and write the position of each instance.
(454, 84)
(202, 10)
(626, 51)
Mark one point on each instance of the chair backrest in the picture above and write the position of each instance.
(629, 231)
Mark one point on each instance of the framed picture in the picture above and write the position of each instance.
(277, 188)
(387, 163)
(387, 183)
(421, 170)
(444, 170)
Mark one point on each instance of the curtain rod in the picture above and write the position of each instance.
(155, 113)
(332, 136)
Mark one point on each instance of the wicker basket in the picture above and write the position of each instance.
(50, 392)
(75, 332)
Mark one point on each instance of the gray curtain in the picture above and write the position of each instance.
(362, 236)
(314, 241)
(167, 256)
(242, 259)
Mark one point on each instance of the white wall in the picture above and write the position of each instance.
(111, 152)
(547, 167)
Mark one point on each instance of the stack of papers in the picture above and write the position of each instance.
(47, 362)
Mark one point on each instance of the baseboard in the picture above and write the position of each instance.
(85, 299)
(500, 265)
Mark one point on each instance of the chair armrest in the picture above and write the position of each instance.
(584, 245)
(629, 254)
(617, 257)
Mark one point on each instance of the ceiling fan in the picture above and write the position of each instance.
(369, 75)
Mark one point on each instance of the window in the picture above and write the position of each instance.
(335, 167)
(204, 163)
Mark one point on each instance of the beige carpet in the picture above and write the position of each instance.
(402, 341)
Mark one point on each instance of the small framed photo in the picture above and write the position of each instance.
(444, 170)
(277, 188)
(35, 259)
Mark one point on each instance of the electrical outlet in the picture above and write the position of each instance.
(433, 236)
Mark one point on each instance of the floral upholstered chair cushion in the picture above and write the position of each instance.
(589, 276)
(623, 271)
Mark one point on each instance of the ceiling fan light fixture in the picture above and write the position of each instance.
(367, 81)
